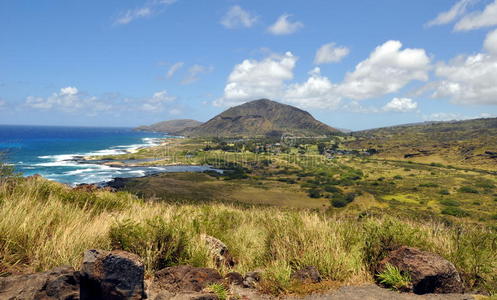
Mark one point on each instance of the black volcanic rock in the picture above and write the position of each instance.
(261, 118)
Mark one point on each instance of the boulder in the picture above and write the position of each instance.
(111, 275)
(307, 274)
(234, 278)
(186, 278)
(251, 279)
(220, 252)
(61, 283)
(430, 273)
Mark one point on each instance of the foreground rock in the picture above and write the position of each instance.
(111, 275)
(430, 273)
(307, 274)
(58, 283)
(185, 279)
(220, 252)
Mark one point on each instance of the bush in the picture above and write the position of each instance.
(444, 192)
(450, 202)
(455, 211)
(468, 189)
(398, 177)
(393, 278)
(159, 244)
(338, 203)
(428, 184)
(332, 189)
(314, 193)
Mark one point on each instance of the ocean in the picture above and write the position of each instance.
(50, 151)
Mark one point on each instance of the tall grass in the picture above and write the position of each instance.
(45, 224)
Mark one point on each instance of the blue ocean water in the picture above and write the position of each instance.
(50, 151)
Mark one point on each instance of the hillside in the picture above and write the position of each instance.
(171, 126)
(262, 118)
(460, 143)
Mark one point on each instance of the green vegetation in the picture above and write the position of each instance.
(220, 291)
(468, 189)
(44, 224)
(393, 278)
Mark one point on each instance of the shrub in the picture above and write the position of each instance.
(393, 278)
(339, 203)
(444, 192)
(428, 184)
(450, 202)
(455, 211)
(314, 193)
(332, 189)
(468, 189)
(398, 177)
(159, 244)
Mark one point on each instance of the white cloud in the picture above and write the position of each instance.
(317, 92)
(194, 72)
(387, 70)
(475, 20)
(158, 102)
(442, 116)
(401, 105)
(283, 26)
(151, 7)
(468, 79)
(68, 99)
(2, 104)
(490, 43)
(329, 53)
(173, 69)
(237, 17)
(454, 12)
(254, 79)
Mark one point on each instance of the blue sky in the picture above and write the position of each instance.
(352, 64)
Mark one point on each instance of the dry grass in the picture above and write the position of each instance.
(44, 224)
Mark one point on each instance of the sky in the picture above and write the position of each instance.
(352, 64)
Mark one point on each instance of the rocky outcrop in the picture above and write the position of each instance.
(251, 279)
(111, 275)
(219, 251)
(307, 274)
(185, 278)
(61, 283)
(429, 272)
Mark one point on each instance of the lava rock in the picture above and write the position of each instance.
(186, 278)
(307, 274)
(111, 275)
(429, 272)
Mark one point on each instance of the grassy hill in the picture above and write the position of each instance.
(470, 143)
(171, 126)
(261, 118)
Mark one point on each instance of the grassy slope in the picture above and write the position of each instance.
(45, 224)
(462, 143)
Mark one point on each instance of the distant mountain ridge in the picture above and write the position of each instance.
(261, 118)
(171, 126)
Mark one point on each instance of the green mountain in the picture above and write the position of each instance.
(171, 126)
(261, 118)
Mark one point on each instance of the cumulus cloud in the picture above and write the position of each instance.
(283, 26)
(317, 92)
(401, 105)
(237, 17)
(453, 13)
(253, 79)
(68, 99)
(151, 7)
(490, 43)
(330, 53)
(387, 70)
(173, 69)
(468, 79)
(194, 72)
(158, 102)
(479, 19)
